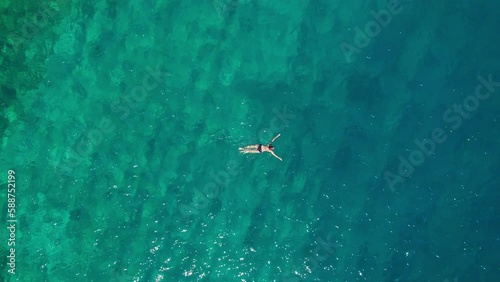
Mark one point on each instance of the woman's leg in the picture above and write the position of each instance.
(250, 147)
(248, 151)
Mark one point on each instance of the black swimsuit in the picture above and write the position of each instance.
(260, 148)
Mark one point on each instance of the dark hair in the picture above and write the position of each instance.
(271, 147)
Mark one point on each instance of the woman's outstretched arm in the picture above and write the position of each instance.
(275, 138)
(275, 155)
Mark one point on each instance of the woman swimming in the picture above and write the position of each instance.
(256, 149)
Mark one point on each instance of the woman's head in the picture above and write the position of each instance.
(271, 147)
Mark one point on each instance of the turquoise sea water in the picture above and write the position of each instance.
(122, 121)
